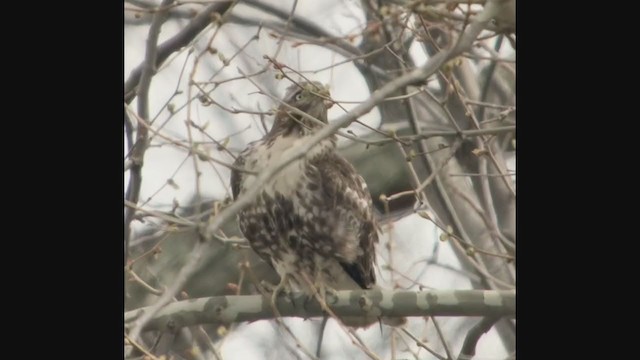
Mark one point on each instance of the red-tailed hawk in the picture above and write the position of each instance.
(316, 216)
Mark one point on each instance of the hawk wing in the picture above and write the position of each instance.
(236, 183)
(332, 212)
(345, 196)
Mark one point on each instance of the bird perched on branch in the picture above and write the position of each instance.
(313, 222)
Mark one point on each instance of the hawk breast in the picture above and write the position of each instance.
(313, 217)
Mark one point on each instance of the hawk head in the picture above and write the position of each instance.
(312, 98)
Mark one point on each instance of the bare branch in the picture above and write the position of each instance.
(423, 345)
(367, 303)
(442, 339)
(304, 26)
(181, 39)
(185, 273)
(308, 32)
(144, 284)
(469, 347)
(187, 146)
(142, 135)
(140, 348)
(160, 215)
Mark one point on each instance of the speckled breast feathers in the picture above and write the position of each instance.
(315, 217)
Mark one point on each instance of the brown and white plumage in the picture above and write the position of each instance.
(314, 219)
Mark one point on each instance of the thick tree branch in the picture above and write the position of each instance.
(347, 303)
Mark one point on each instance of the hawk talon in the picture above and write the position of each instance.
(324, 290)
(333, 293)
(267, 286)
(325, 294)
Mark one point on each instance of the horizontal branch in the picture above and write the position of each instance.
(369, 303)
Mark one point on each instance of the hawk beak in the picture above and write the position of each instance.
(327, 97)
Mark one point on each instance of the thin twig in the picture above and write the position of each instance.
(142, 134)
(176, 92)
(191, 149)
(287, 25)
(498, 165)
(442, 339)
(490, 58)
(166, 183)
(423, 345)
(350, 59)
(430, 134)
(140, 347)
(408, 347)
(143, 239)
(175, 43)
(206, 96)
(199, 331)
(414, 177)
(488, 175)
(181, 278)
(304, 26)
(492, 280)
(226, 61)
(161, 215)
(143, 283)
(490, 105)
(431, 176)
(459, 92)
(153, 250)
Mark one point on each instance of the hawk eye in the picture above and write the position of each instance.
(299, 96)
